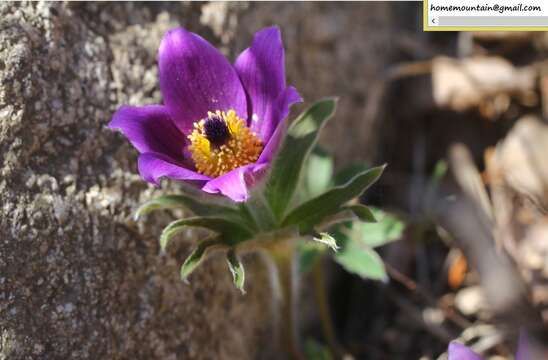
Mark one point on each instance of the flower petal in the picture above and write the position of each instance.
(153, 166)
(458, 351)
(286, 99)
(256, 175)
(261, 68)
(149, 129)
(235, 183)
(196, 78)
(523, 352)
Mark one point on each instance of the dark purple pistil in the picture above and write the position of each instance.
(216, 130)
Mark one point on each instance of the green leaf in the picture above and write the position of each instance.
(288, 163)
(388, 228)
(361, 260)
(197, 256)
(432, 188)
(328, 240)
(309, 252)
(343, 176)
(236, 269)
(228, 230)
(316, 351)
(440, 169)
(362, 212)
(314, 118)
(346, 215)
(312, 212)
(319, 172)
(198, 204)
(258, 212)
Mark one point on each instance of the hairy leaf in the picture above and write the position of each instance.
(200, 205)
(288, 163)
(319, 172)
(328, 240)
(316, 351)
(312, 212)
(361, 260)
(197, 256)
(236, 269)
(228, 230)
(362, 212)
(388, 228)
(345, 174)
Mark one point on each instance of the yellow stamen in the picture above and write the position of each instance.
(242, 148)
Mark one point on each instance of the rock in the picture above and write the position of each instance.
(80, 280)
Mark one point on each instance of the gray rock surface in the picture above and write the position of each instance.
(78, 278)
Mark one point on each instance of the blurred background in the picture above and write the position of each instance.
(460, 119)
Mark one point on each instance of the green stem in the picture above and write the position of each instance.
(283, 254)
(320, 293)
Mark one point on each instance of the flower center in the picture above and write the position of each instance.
(216, 130)
(222, 142)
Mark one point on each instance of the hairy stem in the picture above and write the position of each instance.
(282, 254)
(320, 293)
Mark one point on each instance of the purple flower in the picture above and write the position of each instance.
(458, 351)
(220, 123)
